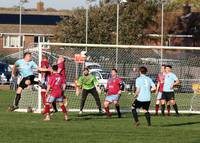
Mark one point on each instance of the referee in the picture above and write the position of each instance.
(88, 83)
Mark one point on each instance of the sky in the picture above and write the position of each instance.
(57, 4)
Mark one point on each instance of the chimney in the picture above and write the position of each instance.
(40, 6)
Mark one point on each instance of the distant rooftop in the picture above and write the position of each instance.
(48, 11)
(30, 19)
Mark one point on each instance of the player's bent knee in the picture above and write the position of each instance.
(116, 103)
(106, 104)
(27, 82)
(19, 90)
(133, 107)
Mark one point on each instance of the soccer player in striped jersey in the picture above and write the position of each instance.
(114, 87)
(144, 86)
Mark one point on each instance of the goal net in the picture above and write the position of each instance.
(127, 59)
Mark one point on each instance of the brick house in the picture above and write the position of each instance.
(37, 25)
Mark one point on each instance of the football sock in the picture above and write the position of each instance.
(157, 108)
(135, 116)
(17, 99)
(176, 108)
(63, 108)
(148, 117)
(46, 109)
(118, 110)
(163, 109)
(168, 109)
(107, 111)
(54, 106)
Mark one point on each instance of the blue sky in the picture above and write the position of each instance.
(58, 4)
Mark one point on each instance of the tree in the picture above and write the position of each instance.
(135, 18)
(176, 5)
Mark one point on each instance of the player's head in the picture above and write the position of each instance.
(163, 67)
(60, 59)
(44, 58)
(168, 68)
(27, 56)
(55, 68)
(114, 72)
(143, 70)
(85, 71)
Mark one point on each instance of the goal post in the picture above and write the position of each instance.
(101, 58)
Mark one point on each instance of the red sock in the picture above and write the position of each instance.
(63, 109)
(46, 109)
(157, 108)
(107, 111)
(168, 109)
(43, 97)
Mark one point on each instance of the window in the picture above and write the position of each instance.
(12, 41)
(38, 39)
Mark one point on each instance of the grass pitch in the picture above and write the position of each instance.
(93, 128)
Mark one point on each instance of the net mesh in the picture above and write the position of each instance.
(101, 59)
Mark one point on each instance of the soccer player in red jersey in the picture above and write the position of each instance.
(45, 78)
(114, 87)
(62, 72)
(56, 87)
(61, 66)
(159, 88)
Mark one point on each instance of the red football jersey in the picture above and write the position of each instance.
(113, 85)
(160, 79)
(45, 75)
(61, 66)
(56, 82)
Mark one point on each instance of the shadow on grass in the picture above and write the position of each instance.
(181, 124)
(98, 116)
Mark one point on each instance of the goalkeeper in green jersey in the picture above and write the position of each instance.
(89, 84)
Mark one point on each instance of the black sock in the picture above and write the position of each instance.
(163, 109)
(17, 98)
(118, 110)
(135, 116)
(54, 107)
(148, 117)
(176, 108)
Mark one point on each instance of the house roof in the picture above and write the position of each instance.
(30, 19)
(31, 29)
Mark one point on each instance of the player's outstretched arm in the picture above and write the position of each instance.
(157, 87)
(14, 70)
(43, 69)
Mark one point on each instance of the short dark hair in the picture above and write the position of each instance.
(86, 69)
(55, 67)
(143, 70)
(114, 69)
(27, 53)
(44, 57)
(169, 66)
(163, 65)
